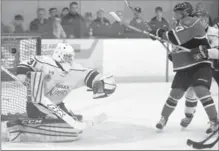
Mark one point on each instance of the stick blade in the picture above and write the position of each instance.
(115, 16)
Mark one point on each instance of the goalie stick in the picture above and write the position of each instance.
(116, 17)
(62, 114)
(201, 144)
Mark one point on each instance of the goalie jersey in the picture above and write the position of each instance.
(58, 83)
(213, 37)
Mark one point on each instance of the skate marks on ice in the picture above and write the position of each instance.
(112, 132)
(132, 116)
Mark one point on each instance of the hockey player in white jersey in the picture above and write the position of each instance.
(59, 75)
(191, 99)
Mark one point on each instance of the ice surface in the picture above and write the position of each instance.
(133, 111)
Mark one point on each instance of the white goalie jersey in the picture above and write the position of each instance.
(58, 82)
(213, 37)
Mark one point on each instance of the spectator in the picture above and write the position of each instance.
(18, 24)
(9, 28)
(139, 23)
(54, 29)
(53, 12)
(101, 19)
(101, 25)
(38, 24)
(118, 28)
(88, 19)
(73, 22)
(58, 31)
(201, 12)
(158, 21)
(64, 12)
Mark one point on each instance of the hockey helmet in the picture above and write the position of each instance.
(64, 54)
(185, 7)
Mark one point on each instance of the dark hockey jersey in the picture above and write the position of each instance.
(191, 34)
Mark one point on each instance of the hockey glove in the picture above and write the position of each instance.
(104, 87)
(200, 53)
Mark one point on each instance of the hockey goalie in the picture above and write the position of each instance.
(49, 80)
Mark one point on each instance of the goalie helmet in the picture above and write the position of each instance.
(64, 54)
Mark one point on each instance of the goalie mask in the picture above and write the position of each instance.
(64, 54)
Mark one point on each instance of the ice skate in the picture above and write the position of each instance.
(161, 124)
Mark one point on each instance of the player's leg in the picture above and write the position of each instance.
(76, 116)
(190, 107)
(179, 86)
(33, 111)
(201, 87)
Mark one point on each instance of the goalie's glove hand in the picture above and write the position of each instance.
(104, 87)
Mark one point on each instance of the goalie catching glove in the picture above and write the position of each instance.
(102, 86)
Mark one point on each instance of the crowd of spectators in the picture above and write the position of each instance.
(71, 24)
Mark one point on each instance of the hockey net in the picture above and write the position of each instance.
(14, 49)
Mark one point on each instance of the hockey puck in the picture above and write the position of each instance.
(13, 50)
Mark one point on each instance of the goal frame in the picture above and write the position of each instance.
(16, 36)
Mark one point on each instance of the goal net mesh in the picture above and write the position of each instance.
(15, 49)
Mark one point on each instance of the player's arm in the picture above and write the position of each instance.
(102, 86)
(25, 67)
(183, 33)
(210, 53)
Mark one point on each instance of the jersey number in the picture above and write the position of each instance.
(32, 62)
(179, 28)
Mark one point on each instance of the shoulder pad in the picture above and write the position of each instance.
(189, 21)
(45, 60)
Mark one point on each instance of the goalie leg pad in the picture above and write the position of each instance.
(41, 130)
(36, 87)
(33, 111)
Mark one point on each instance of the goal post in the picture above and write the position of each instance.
(15, 48)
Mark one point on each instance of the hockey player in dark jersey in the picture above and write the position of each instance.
(213, 54)
(190, 67)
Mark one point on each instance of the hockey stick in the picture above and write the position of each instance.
(62, 114)
(202, 145)
(128, 4)
(116, 17)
